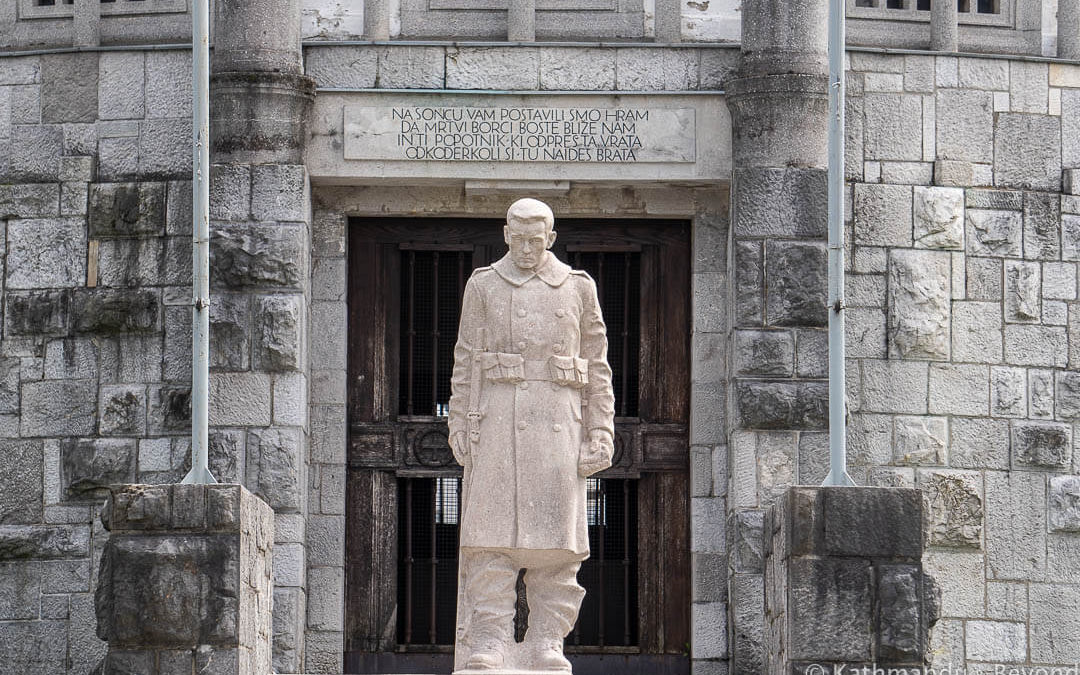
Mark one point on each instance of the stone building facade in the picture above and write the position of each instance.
(963, 240)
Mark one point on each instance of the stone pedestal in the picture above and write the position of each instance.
(185, 581)
(844, 582)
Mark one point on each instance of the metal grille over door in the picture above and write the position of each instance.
(432, 283)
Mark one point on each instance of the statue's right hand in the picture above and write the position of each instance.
(459, 445)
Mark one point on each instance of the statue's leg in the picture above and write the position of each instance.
(489, 590)
(554, 600)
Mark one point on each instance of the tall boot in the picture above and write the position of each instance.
(554, 600)
(547, 652)
(487, 653)
(489, 598)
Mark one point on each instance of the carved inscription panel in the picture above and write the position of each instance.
(520, 134)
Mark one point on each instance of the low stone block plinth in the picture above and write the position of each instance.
(185, 583)
(844, 581)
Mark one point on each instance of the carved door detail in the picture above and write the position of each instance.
(406, 278)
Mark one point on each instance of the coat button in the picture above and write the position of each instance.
(556, 427)
(560, 313)
(521, 345)
(523, 385)
(521, 312)
(522, 425)
(557, 348)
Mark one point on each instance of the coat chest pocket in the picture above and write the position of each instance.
(569, 371)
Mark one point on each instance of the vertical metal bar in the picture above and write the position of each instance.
(200, 287)
(837, 432)
(435, 334)
(460, 275)
(600, 277)
(625, 339)
(408, 559)
(626, 561)
(457, 302)
(432, 633)
(411, 333)
(457, 500)
(601, 517)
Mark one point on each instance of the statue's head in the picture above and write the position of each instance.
(529, 232)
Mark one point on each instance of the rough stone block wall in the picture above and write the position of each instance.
(95, 213)
(95, 196)
(260, 276)
(962, 338)
(778, 361)
(963, 335)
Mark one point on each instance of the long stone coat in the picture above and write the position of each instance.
(538, 345)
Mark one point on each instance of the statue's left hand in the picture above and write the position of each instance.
(596, 453)
(459, 445)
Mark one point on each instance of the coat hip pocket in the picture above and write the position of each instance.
(569, 371)
(503, 368)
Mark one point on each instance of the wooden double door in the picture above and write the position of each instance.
(406, 278)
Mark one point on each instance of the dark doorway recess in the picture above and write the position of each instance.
(406, 278)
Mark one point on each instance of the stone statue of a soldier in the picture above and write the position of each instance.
(531, 416)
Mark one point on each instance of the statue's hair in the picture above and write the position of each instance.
(529, 209)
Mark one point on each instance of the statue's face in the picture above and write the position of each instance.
(529, 241)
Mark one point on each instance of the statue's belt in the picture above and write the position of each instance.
(509, 368)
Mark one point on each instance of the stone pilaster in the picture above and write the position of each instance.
(260, 275)
(185, 580)
(778, 396)
(844, 580)
(1068, 36)
(944, 26)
